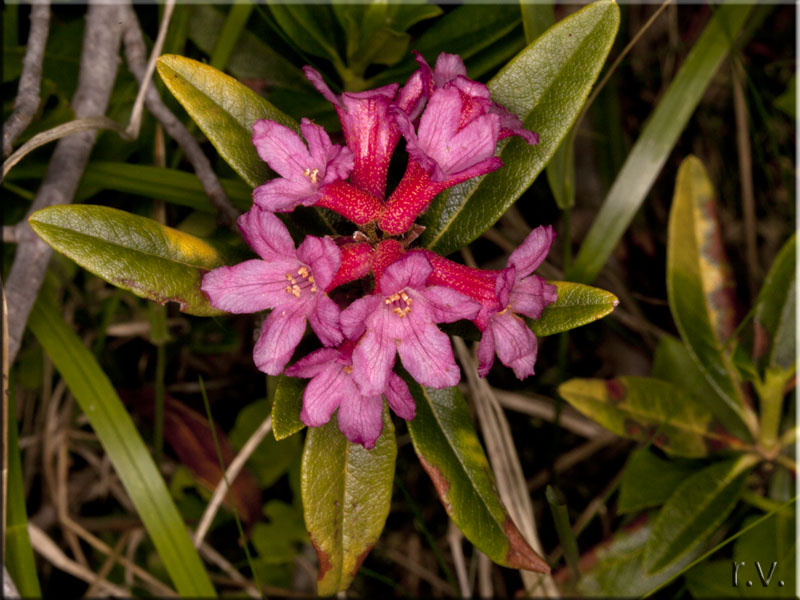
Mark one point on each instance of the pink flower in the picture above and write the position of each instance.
(519, 292)
(401, 318)
(455, 140)
(312, 175)
(289, 281)
(369, 130)
(333, 386)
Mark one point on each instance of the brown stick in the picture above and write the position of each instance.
(27, 101)
(99, 58)
(136, 56)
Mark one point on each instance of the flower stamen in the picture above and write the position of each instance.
(312, 175)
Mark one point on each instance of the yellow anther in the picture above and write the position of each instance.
(505, 310)
(348, 369)
(313, 287)
(312, 175)
(303, 272)
(288, 289)
(289, 276)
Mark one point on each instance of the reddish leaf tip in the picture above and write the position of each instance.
(323, 559)
(440, 482)
(520, 555)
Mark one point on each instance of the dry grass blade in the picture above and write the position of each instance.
(505, 463)
(454, 538)
(542, 407)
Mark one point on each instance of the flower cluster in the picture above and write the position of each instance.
(451, 129)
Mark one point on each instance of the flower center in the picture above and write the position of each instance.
(312, 175)
(401, 302)
(505, 310)
(305, 283)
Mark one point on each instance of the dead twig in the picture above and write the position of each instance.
(27, 101)
(95, 81)
(454, 537)
(135, 56)
(230, 476)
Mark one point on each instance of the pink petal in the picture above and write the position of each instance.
(473, 144)
(313, 364)
(266, 234)
(486, 351)
(532, 252)
(324, 320)
(439, 122)
(361, 419)
(515, 342)
(399, 398)
(448, 67)
(335, 162)
(412, 96)
(448, 305)
(410, 270)
(319, 143)
(510, 124)
(427, 355)
(281, 148)
(531, 295)
(248, 287)
(504, 285)
(282, 331)
(284, 195)
(373, 357)
(353, 318)
(322, 255)
(318, 82)
(325, 393)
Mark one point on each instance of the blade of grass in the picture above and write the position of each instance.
(231, 30)
(131, 459)
(565, 535)
(222, 467)
(651, 150)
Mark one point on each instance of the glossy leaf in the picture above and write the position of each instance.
(775, 311)
(546, 85)
(346, 495)
(575, 305)
(448, 448)
(120, 439)
(656, 141)
(692, 514)
(134, 253)
(700, 284)
(225, 111)
(287, 405)
(616, 568)
(647, 409)
(312, 28)
(649, 481)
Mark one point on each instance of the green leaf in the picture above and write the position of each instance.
(134, 253)
(448, 448)
(575, 305)
(546, 85)
(700, 285)
(346, 492)
(18, 553)
(312, 28)
(771, 541)
(205, 24)
(229, 34)
(694, 512)
(649, 481)
(656, 141)
(225, 111)
(120, 439)
(278, 541)
(775, 311)
(286, 406)
(617, 570)
(787, 101)
(647, 409)
(537, 17)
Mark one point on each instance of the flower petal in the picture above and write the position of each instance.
(266, 234)
(281, 148)
(282, 331)
(532, 252)
(448, 67)
(531, 295)
(284, 195)
(427, 355)
(486, 349)
(515, 342)
(325, 393)
(447, 305)
(399, 398)
(360, 419)
(353, 318)
(323, 256)
(410, 270)
(504, 284)
(333, 160)
(313, 364)
(324, 320)
(248, 287)
(373, 357)
(318, 82)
